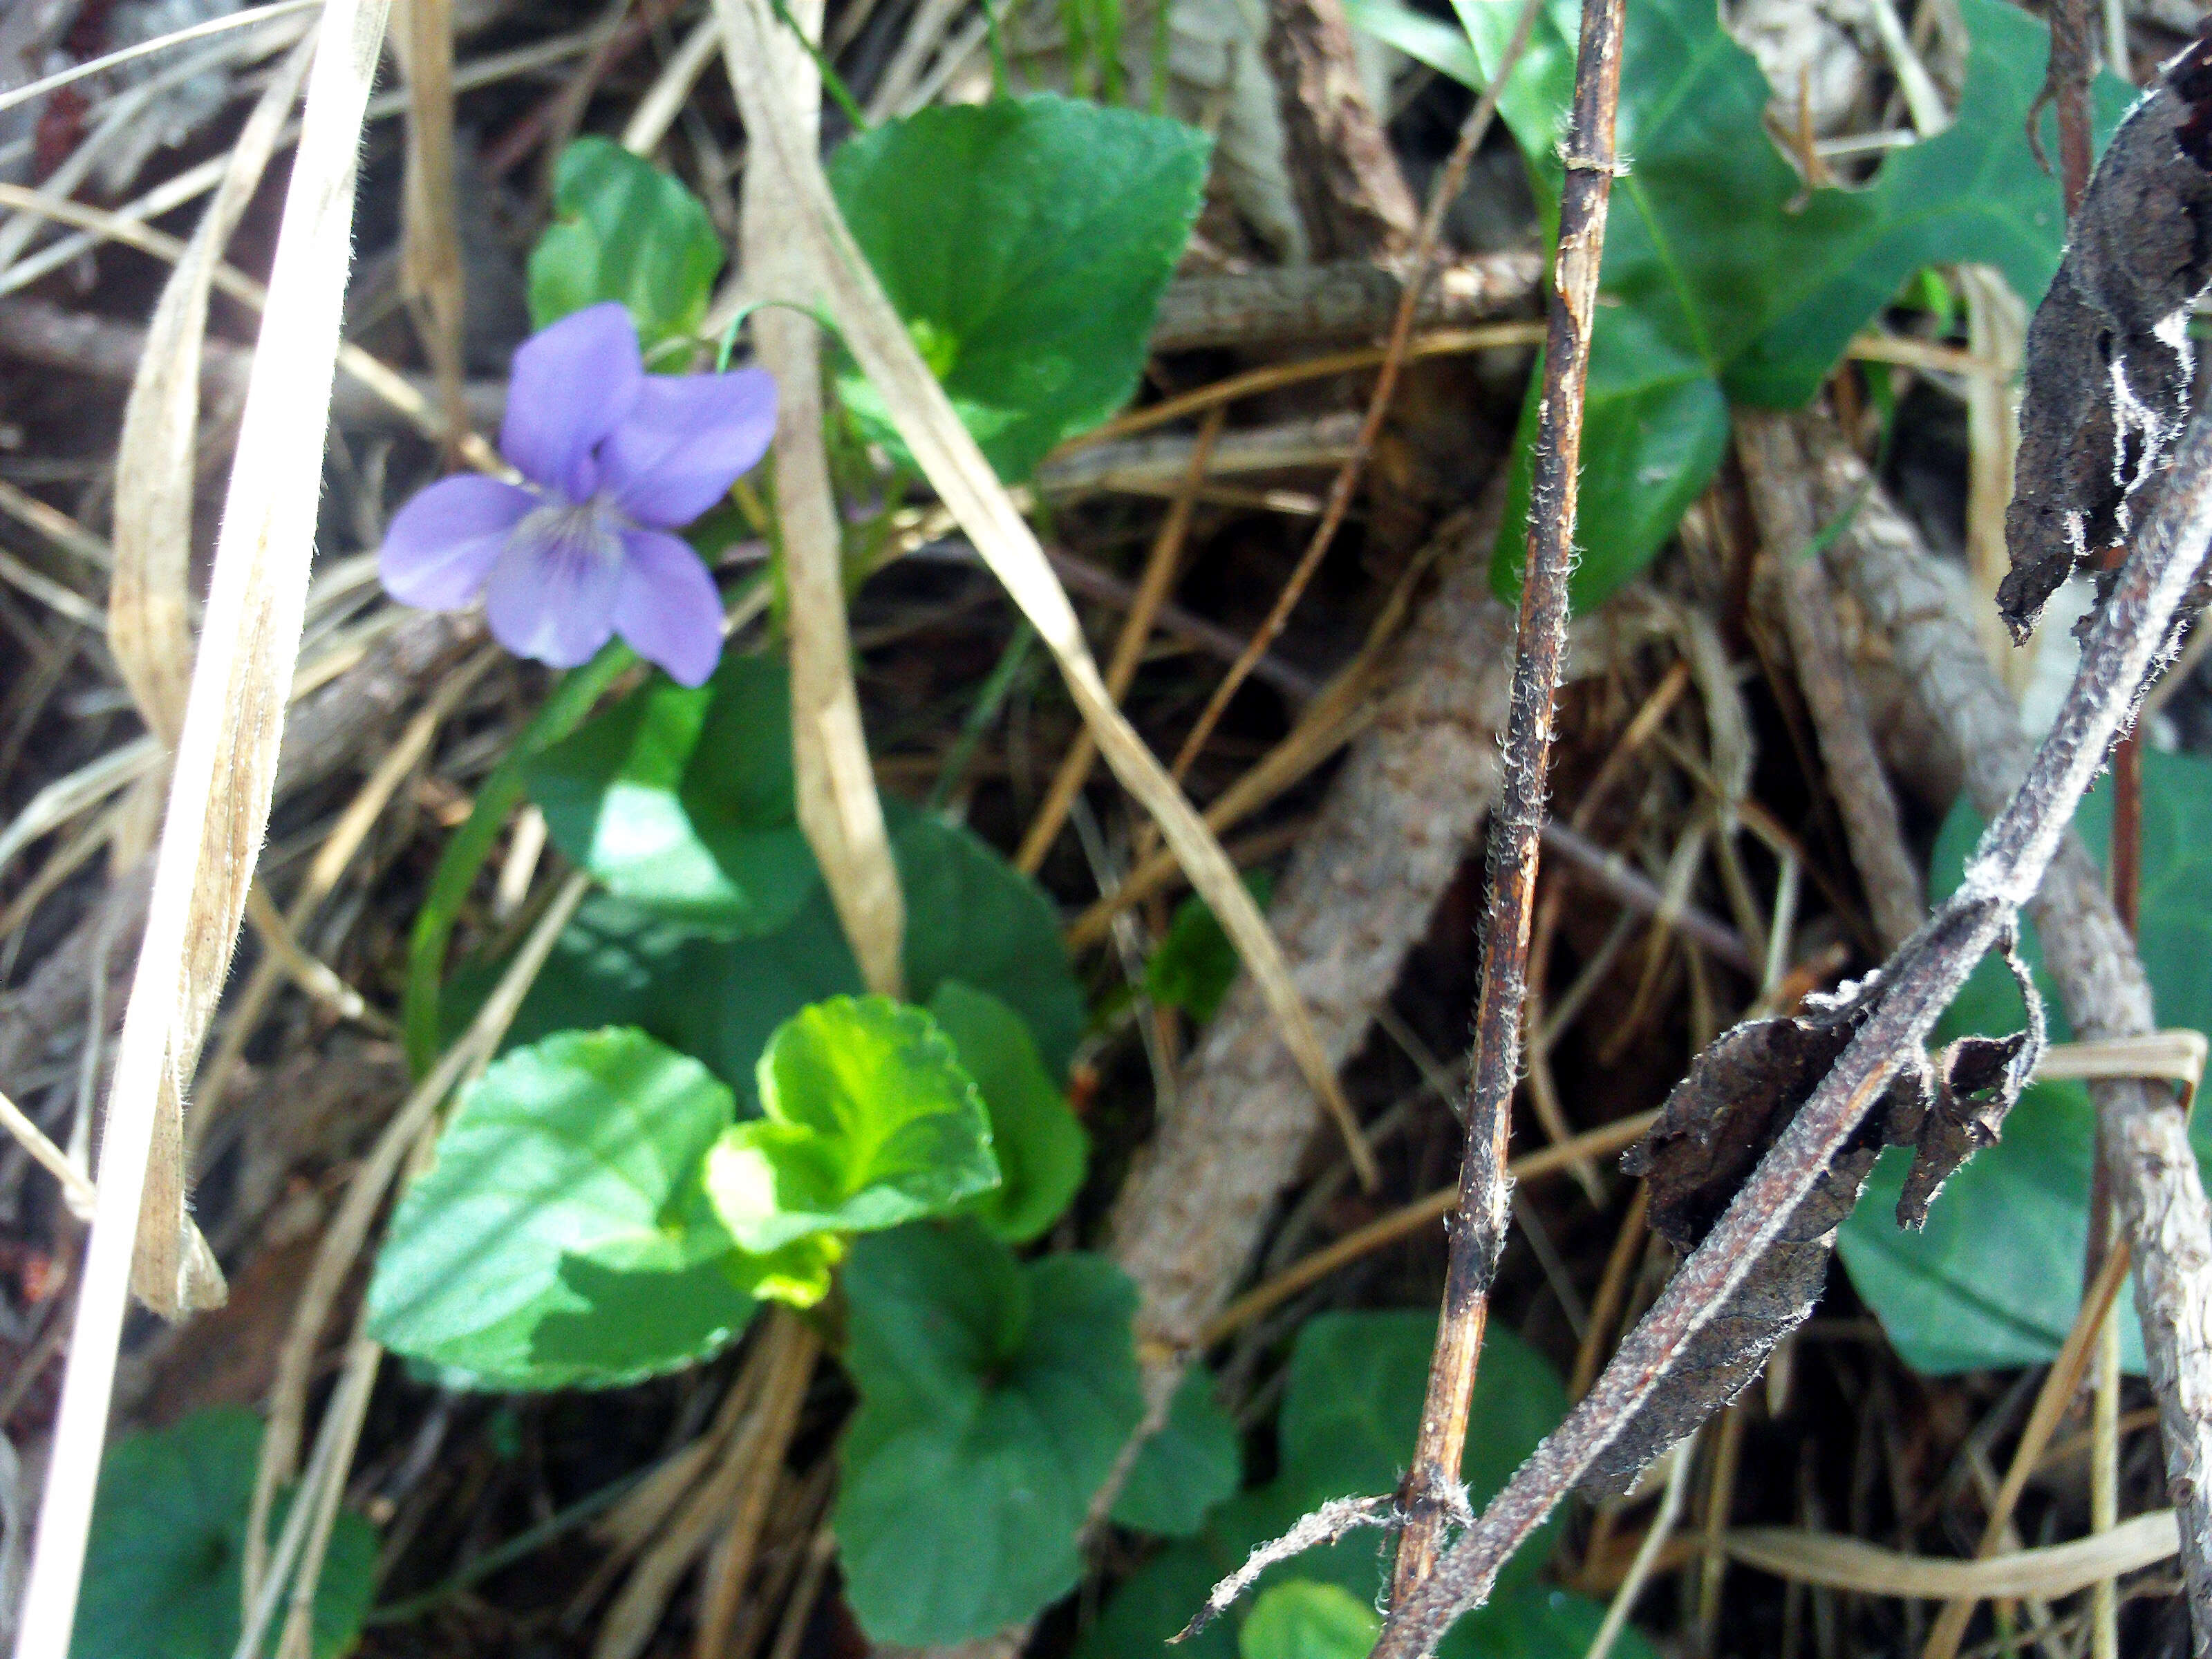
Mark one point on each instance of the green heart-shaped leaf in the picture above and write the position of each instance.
(1041, 1148)
(561, 1238)
(994, 1398)
(1725, 278)
(1994, 1278)
(168, 1534)
(680, 801)
(1025, 243)
(625, 231)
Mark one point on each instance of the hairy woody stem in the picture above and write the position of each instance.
(2129, 634)
(1516, 823)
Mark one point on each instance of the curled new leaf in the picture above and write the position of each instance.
(869, 1121)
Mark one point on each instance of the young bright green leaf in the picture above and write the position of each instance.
(1025, 242)
(1724, 277)
(1191, 1465)
(560, 1239)
(1196, 963)
(680, 801)
(168, 1532)
(1041, 1148)
(994, 1397)
(1352, 1403)
(1299, 1619)
(869, 1121)
(626, 231)
(1994, 1278)
(1424, 39)
(970, 916)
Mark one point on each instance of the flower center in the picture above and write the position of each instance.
(575, 535)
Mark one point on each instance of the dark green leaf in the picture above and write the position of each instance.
(1025, 242)
(168, 1532)
(1196, 963)
(626, 231)
(680, 801)
(868, 1121)
(1191, 1465)
(1722, 271)
(1350, 1408)
(1994, 1278)
(1299, 1619)
(970, 916)
(994, 1397)
(1041, 1148)
(560, 1239)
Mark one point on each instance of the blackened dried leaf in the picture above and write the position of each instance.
(1718, 1122)
(1972, 1097)
(2108, 359)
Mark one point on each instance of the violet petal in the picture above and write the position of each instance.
(667, 607)
(570, 385)
(551, 595)
(685, 440)
(441, 546)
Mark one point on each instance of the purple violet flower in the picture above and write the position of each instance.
(617, 459)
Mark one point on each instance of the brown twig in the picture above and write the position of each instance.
(1430, 1494)
(2010, 862)
(1378, 406)
(1797, 588)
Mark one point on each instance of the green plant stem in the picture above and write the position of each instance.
(522, 1544)
(832, 82)
(1002, 82)
(988, 701)
(466, 853)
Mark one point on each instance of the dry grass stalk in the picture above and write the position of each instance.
(343, 1239)
(224, 776)
(1996, 332)
(430, 272)
(656, 111)
(838, 807)
(156, 459)
(1152, 590)
(2056, 1570)
(964, 479)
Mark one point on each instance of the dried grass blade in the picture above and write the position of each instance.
(224, 775)
(838, 807)
(2048, 1573)
(430, 271)
(148, 627)
(956, 468)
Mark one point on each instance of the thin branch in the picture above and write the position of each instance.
(2129, 637)
(1517, 825)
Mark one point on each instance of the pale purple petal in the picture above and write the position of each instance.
(441, 545)
(571, 384)
(685, 440)
(552, 593)
(667, 607)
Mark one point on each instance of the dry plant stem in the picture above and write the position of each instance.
(430, 271)
(2054, 1571)
(1349, 300)
(2053, 1400)
(1340, 491)
(1344, 175)
(1151, 593)
(1431, 1491)
(156, 459)
(2142, 1133)
(1798, 589)
(340, 1247)
(224, 776)
(969, 488)
(2126, 640)
(838, 806)
(1357, 895)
